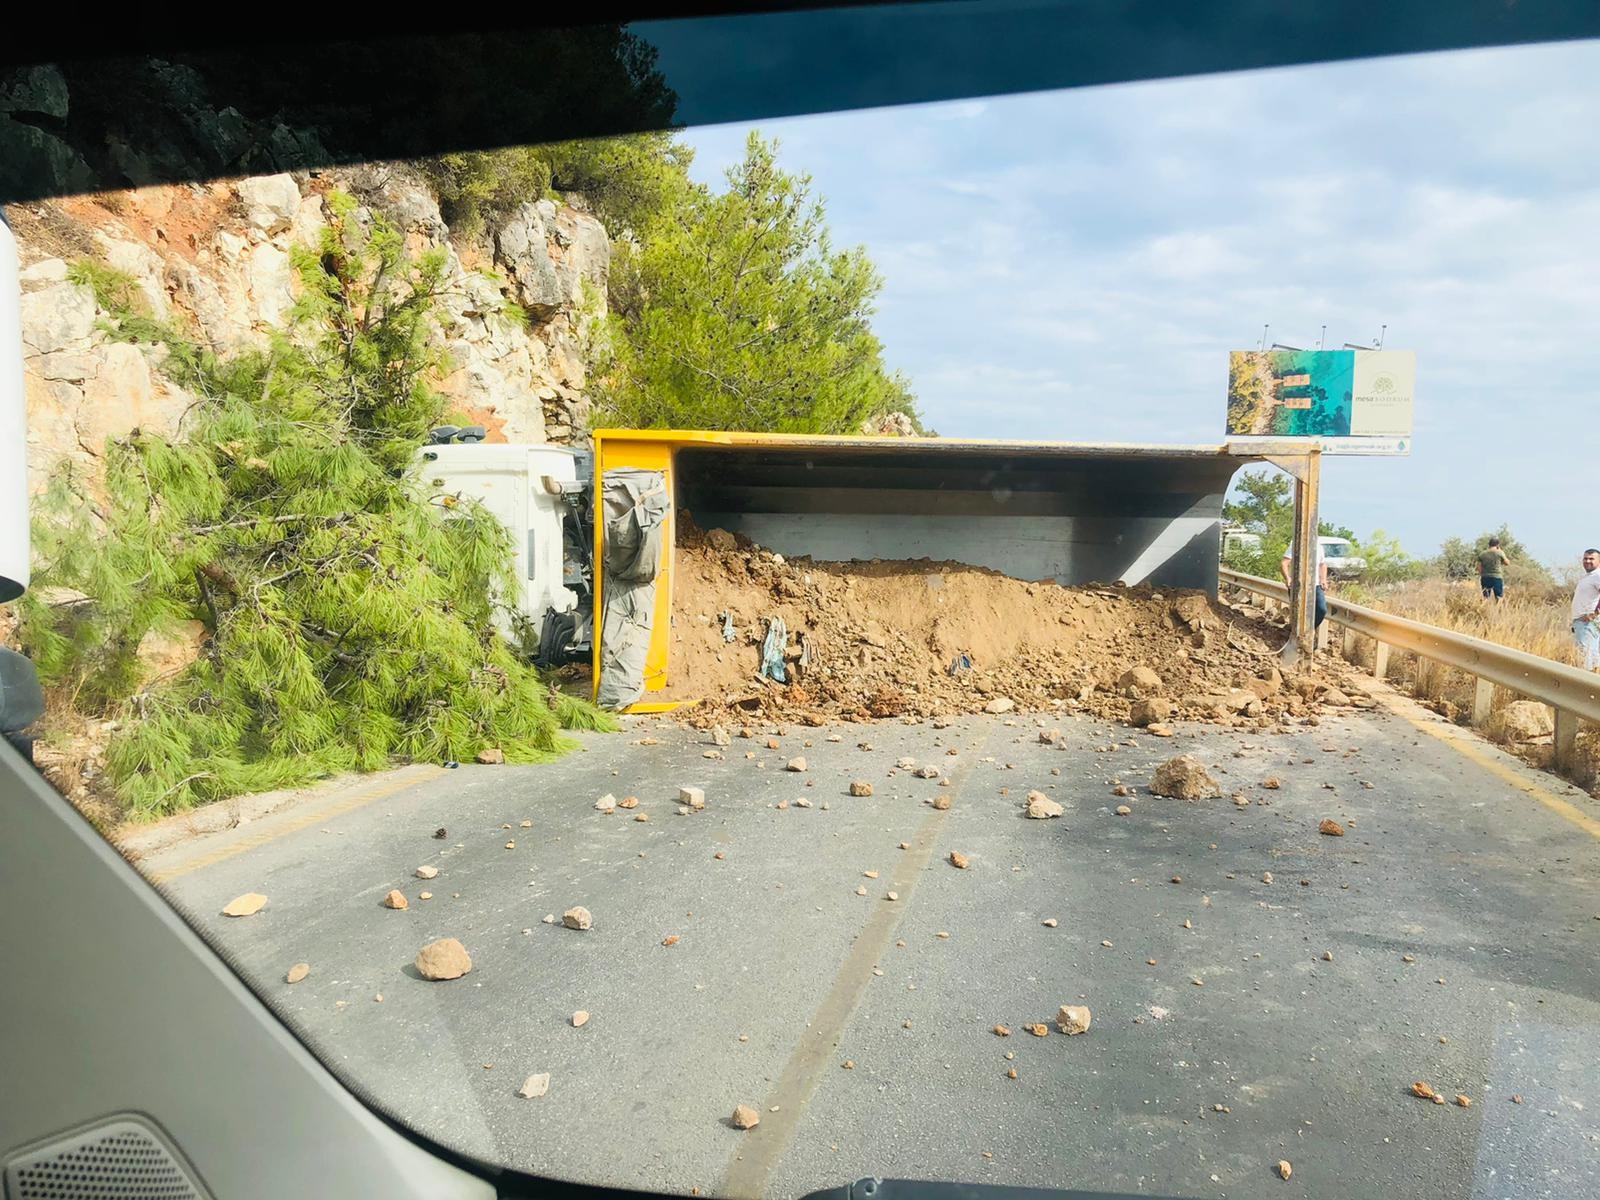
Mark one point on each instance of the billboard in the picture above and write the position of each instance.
(1351, 401)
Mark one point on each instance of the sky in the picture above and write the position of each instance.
(1076, 265)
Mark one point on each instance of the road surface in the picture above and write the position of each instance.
(1449, 937)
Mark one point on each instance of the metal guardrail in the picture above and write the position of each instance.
(1572, 693)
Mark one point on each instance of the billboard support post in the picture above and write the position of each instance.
(1307, 473)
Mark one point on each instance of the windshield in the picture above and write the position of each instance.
(612, 640)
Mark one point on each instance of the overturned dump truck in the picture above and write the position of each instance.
(1133, 519)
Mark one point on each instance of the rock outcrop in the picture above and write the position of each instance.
(217, 260)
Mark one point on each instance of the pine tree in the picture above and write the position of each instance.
(740, 314)
(348, 614)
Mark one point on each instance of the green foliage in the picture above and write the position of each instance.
(349, 621)
(1263, 503)
(1459, 558)
(630, 182)
(740, 314)
(1387, 561)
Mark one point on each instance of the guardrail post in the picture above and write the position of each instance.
(1347, 645)
(1482, 701)
(1566, 738)
(1380, 659)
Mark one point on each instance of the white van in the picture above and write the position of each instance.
(1341, 557)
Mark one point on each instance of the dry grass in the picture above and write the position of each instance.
(1532, 619)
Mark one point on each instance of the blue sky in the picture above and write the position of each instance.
(1076, 265)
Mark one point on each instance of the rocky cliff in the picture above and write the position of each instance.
(215, 258)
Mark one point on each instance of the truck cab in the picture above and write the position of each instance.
(541, 494)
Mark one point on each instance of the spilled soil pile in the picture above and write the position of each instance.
(889, 639)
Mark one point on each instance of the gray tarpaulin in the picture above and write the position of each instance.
(635, 512)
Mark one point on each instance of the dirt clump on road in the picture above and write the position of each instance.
(885, 639)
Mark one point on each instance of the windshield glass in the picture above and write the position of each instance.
(611, 638)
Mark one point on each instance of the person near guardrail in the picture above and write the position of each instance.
(1586, 610)
(1286, 566)
(1492, 570)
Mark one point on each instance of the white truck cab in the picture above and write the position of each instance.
(537, 492)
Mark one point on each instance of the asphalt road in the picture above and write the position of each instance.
(783, 973)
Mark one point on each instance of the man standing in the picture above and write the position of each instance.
(1492, 570)
(1285, 565)
(1586, 610)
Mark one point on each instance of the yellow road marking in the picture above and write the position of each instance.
(313, 816)
(1463, 743)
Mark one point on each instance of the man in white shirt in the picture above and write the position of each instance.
(1586, 610)
(1286, 567)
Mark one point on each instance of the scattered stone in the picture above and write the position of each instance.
(1521, 721)
(927, 772)
(1050, 922)
(1106, 942)
(712, 754)
(1001, 704)
(627, 802)
(745, 1117)
(1285, 1168)
(1149, 711)
(246, 905)
(1041, 807)
(1073, 1019)
(1049, 737)
(905, 764)
(860, 787)
(1159, 730)
(427, 872)
(905, 845)
(1516, 1099)
(424, 895)
(943, 935)
(848, 1064)
(443, 959)
(580, 1019)
(1002, 1031)
(1011, 1072)
(1330, 828)
(535, 1086)
(1139, 681)
(802, 802)
(511, 845)
(441, 833)
(941, 803)
(1221, 1108)
(1241, 801)
(395, 899)
(577, 918)
(670, 940)
(1123, 810)
(861, 889)
(719, 736)
(297, 972)
(492, 757)
(1187, 923)
(959, 860)
(1271, 783)
(1408, 958)
(1463, 1101)
(870, 874)
(1327, 956)
(1266, 877)
(795, 764)
(1184, 778)
(1335, 696)
(549, 918)
(1422, 1091)
(694, 797)
(891, 895)
(1039, 1030)
(641, 816)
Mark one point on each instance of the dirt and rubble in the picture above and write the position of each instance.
(886, 639)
